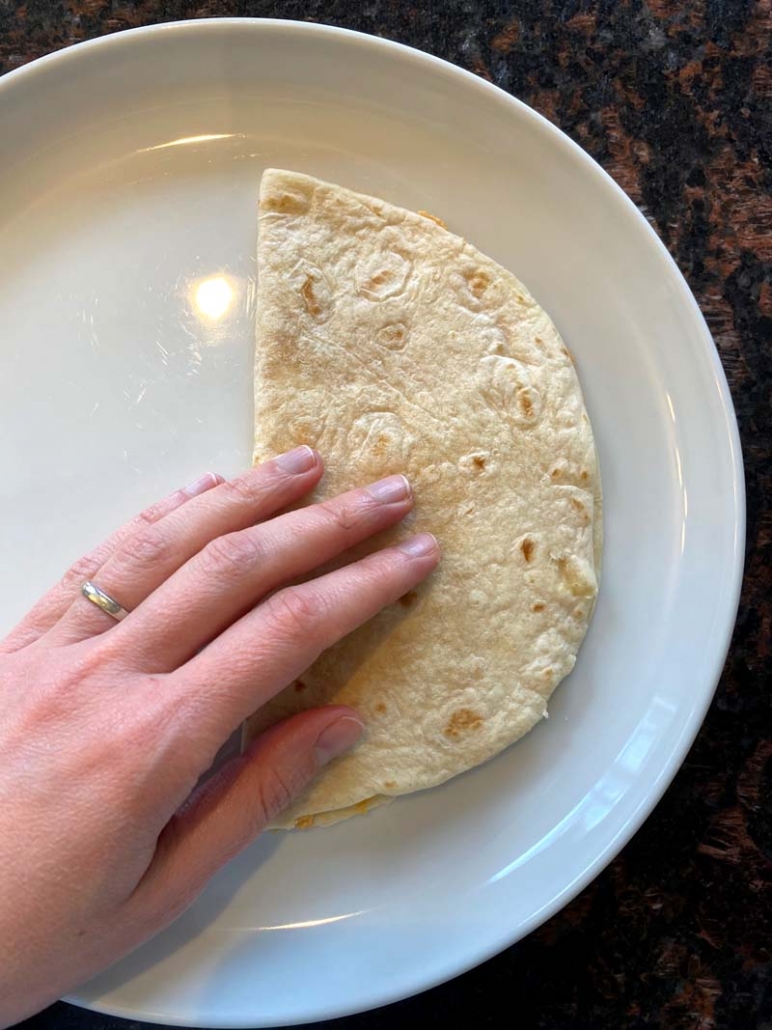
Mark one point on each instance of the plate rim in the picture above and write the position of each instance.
(489, 92)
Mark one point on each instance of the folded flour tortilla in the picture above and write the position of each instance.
(391, 345)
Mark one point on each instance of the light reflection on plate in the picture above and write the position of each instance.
(213, 297)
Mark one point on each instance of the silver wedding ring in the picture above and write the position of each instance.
(102, 600)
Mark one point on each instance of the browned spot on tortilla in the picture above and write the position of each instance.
(527, 546)
(409, 599)
(304, 822)
(538, 607)
(313, 307)
(479, 282)
(389, 785)
(300, 686)
(584, 475)
(478, 461)
(525, 403)
(286, 203)
(538, 340)
(380, 707)
(569, 355)
(283, 354)
(583, 513)
(381, 445)
(379, 279)
(432, 218)
(461, 721)
(556, 473)
(362, 806)
(392, 335)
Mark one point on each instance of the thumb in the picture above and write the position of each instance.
(228, 811)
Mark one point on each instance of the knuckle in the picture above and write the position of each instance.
(231, 553)
(151, 515)
(276, 789)
(344, 515)
(147, 547)
(295, 612)
(247, 489)
(81, 570)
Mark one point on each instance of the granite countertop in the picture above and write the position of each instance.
(674, 99)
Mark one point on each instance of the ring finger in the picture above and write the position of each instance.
(154, 553)
(55, 603)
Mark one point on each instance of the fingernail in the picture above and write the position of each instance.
(203, 483)
(420, 546)
(389, 490)
(336, 738)
(300, 460)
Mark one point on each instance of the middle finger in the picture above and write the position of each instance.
(234, 572)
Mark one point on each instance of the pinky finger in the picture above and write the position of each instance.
(226, 814)
(50, 608)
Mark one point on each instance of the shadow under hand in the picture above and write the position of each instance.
(218, 894)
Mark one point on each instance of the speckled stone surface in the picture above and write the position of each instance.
(673, 98)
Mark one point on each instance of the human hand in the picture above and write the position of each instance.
(106, 727)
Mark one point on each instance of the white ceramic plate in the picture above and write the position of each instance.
(128, 177)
